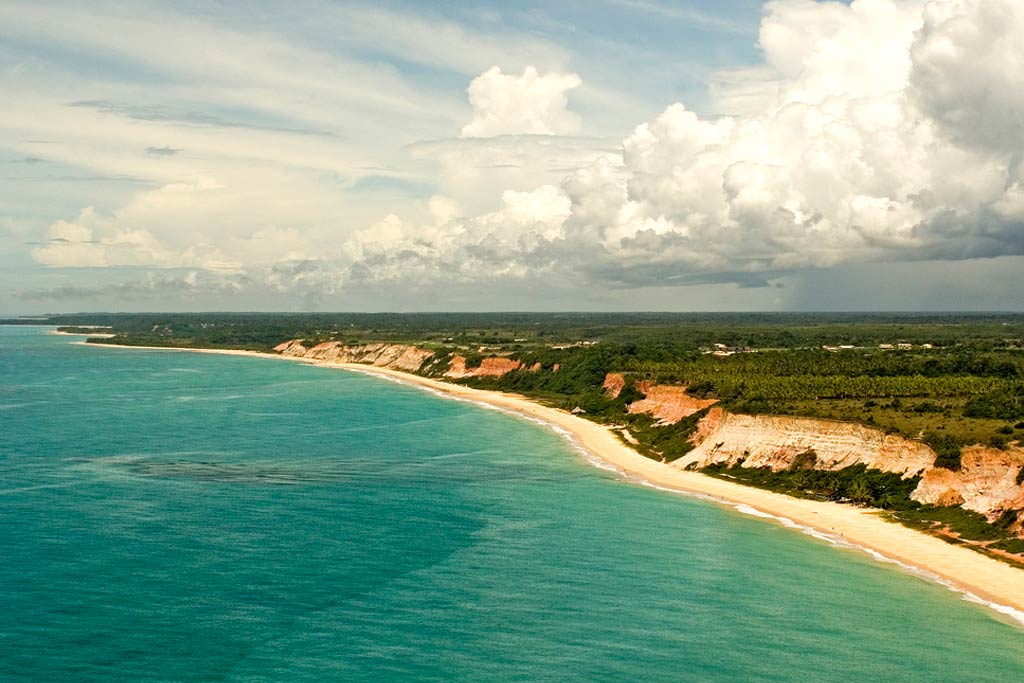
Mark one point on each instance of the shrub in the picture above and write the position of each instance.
(755, 405)
(1006, 403)
(630, 394)
(1010, 545)
(856, 483)
(473, 360)
(702, 389)
(947, 450)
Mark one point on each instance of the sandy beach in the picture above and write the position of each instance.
(978, 577)
(94, 335)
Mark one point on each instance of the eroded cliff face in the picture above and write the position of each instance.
(775, 441)
(292, 347)
(398, 357)
(492, 366)
(395, 356)
(668, 403)
(986, 483)
(613, 385)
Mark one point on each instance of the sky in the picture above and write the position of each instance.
(597, 155)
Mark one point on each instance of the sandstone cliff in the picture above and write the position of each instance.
(774, 441)
(985, 483)
(399, 357)
(613, 385)
(667, 403)
(396, 356)
(292, 347)
(492, 366)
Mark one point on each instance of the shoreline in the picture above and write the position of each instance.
(93, 335)
(978, 578)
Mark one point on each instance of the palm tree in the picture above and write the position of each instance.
(860, 492)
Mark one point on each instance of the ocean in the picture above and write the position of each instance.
(170, 516)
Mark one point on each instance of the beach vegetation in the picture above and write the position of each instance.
(855, 484)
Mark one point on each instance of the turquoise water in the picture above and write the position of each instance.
(190, 517)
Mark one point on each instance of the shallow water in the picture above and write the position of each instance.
(190, 517)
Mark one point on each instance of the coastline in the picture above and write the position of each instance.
(94, 335)
(979, 578)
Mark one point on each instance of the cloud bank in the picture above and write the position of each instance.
(875, 131)
(880, 131)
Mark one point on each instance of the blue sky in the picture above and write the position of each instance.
(612, 154)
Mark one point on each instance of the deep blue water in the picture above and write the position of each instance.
(190, 517)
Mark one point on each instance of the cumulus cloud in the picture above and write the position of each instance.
(847, 161)
(504, 243)
(477, 170)
(968, 60)
(877, 130)
(126, 237)
(76, 245)
(505, 104)
(521, 136)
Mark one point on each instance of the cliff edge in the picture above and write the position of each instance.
(989, 482)
(775, 441)
(395, 356)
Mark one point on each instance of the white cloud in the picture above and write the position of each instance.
(129, 235)
(477, 170)
(70, 244)
(503, 243)
(96, 241)
(443, 209)
(850, 149)
(532, 104)
(968, 60)
(879, 130)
